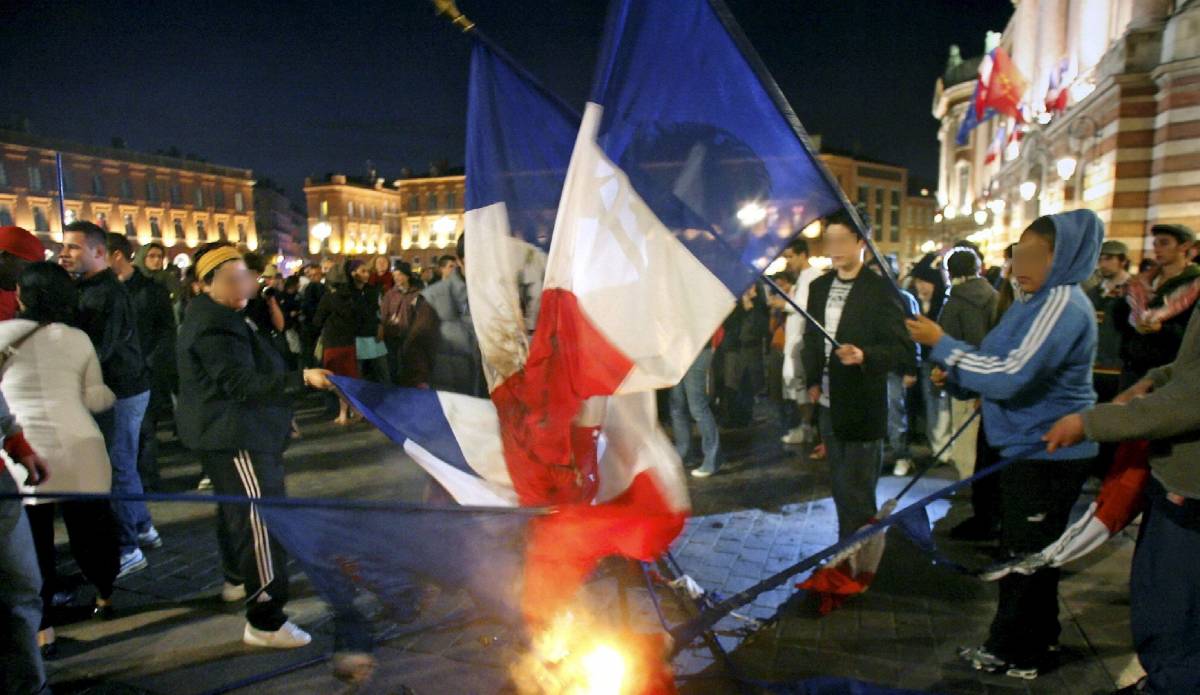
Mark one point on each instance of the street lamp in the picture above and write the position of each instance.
(1066, 167)
(980, 217)
(1028, 189)
(320, 231)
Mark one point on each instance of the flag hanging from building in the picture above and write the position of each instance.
(1001, 86)
(1058, 88)
(970, 119)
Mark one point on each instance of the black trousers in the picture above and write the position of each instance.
(985, 493)
(1035, 501)
(249, 554)
(92, 535)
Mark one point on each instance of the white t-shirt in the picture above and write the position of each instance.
(838, 292)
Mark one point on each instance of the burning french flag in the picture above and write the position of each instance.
(625, 251)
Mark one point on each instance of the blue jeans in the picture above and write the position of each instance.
(122, 427)
(937, 414)
(1165, 591)
(690, 395)
(20, 599)
(897, 422)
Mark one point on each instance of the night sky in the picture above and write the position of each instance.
(294, 89)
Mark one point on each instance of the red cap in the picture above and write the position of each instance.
(20, 243)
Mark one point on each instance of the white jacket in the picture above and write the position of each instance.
(53, 384)
(793, 333)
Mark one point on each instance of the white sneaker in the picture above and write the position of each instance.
(205, 484)
(233, 592)
(902, 467)
(150, 538)
(796, 435)
(288, 636)
(132, 561)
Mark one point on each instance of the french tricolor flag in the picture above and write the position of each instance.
(687, 175)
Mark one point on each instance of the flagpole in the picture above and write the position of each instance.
(785, 109)
(62, 195)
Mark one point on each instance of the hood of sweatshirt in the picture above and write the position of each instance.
(975, 291)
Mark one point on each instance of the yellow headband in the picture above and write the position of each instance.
(209, 261)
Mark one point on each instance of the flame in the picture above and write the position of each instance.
(570, 657)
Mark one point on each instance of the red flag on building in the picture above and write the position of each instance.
(1001, 86)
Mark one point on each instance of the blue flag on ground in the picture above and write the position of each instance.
(388, 552)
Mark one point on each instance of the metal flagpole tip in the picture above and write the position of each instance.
(449, 9)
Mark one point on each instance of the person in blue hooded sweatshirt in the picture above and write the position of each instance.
(1031, 369)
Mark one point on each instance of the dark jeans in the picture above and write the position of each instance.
(1035, 500)
(92, 533)
(1165, 593)
(148, 448)
(247, 548)
(854, 473)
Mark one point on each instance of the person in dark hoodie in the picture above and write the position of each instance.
(929, 284)
(967, 316)
(1032, 368)
(155, 318)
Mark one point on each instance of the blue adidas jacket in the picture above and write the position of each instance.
(1036, 365)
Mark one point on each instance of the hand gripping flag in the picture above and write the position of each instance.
(1120, 500)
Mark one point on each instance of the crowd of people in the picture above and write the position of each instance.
(1032, 345)
(109, 344)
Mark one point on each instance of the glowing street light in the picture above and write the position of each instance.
(321, 231)
(1028, 189)
(444, 225)
(812, 231)
(1066, 167)
(751, 214)
(980, 217)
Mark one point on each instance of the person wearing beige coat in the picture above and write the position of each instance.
(52, 382)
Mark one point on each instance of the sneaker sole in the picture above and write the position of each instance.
(134, 569)
(152, 545)
(252, 641)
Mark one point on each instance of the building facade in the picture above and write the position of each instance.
(899, 217)
(1127, 144)
(180, 203)
(415, 218)
(282, 227)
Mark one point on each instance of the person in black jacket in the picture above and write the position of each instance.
(310, 299)
(235, 411)
(155, 318)
(861, 310)
(106, 315)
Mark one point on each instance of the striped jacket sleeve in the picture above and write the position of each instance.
(1000, 376)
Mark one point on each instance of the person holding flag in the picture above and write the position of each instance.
(1165, 584)
(1033, 367)
(849, 382)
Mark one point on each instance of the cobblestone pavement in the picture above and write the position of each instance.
(767, 508)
